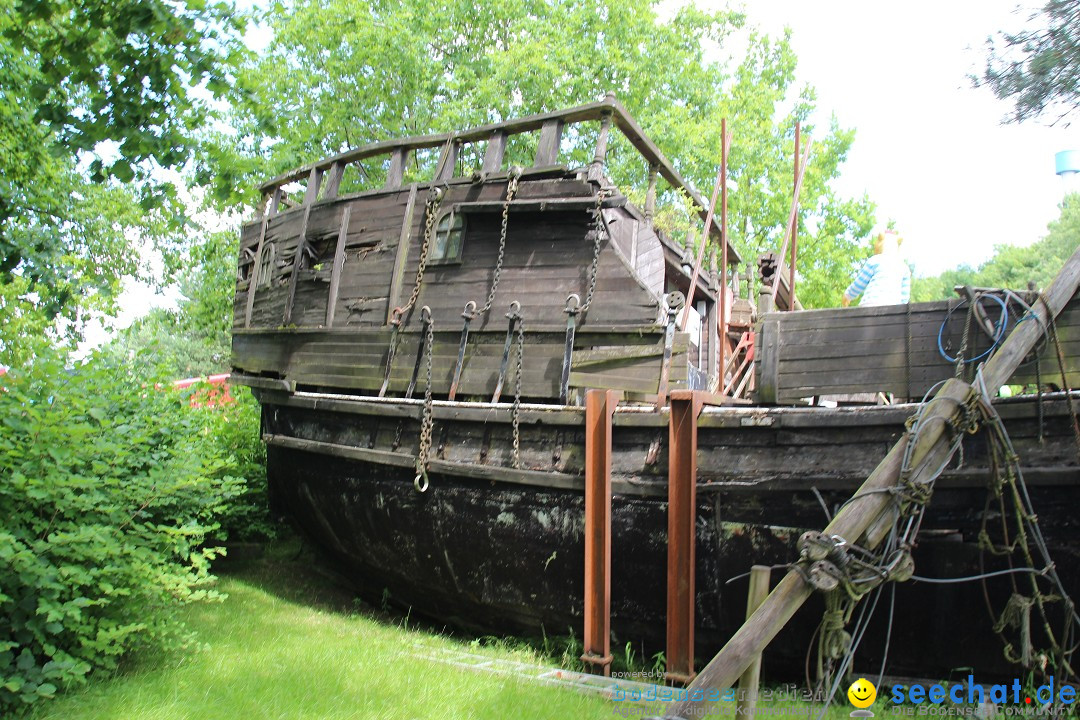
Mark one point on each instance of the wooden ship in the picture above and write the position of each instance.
(503, 397)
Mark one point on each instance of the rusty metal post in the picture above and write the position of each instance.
(682, 514)
(599, 408)
(725, 144)
(794, 220)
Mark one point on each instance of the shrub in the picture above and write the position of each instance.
(231, 433)
(109, 490)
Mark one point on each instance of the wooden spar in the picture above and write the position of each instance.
(794, 220)
(701, 250)
(339, 265)
(791, 217)
(860, 514)
(725, 145)
(253, 279)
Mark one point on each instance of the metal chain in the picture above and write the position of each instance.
(599, 229)
(435, 197)
(515, 413)
(511, 191)
(420, 482)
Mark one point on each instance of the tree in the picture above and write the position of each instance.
(1011, 266)
(1038, 68)
(340, 74)
(194, 339)
(95, 99)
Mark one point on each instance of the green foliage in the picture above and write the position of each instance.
(1011, 266)
(95, 98)
(232, 434)
(341, 74)
(109, 492)
(1038, 68)
(194, 339)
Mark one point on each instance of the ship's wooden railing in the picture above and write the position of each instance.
(324, 176)
(890, 349)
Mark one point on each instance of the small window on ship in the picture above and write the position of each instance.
(449, 238)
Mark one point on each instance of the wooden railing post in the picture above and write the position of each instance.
(682, 514)
(599, 408)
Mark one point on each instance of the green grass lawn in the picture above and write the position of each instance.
(289, 644)
(291, 647)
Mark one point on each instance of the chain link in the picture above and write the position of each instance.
(420, 482)
(511, 191)
(516, 412)
(599, 230)
(435, 197)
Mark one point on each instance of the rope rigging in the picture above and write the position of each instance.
(847, 573)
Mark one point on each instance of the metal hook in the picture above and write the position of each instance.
(421, 482)
(573, 304)
(425, 313)
(470, 310)
(515, 310)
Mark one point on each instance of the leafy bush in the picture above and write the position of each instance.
(231, 433)
(109, 490)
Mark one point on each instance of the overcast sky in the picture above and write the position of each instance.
(929, 150)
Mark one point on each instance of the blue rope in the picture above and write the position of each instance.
(999, 332)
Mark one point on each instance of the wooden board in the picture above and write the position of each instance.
(887, 349)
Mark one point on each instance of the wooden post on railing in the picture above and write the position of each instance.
(650, 194)
(725, 146)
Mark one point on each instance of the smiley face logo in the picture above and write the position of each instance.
(862, 693)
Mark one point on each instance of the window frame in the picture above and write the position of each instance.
(455, 215)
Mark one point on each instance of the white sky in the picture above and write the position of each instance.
(929, 149)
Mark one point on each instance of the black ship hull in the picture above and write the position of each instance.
(497, 557)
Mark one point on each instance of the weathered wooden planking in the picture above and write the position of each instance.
(374, 231)
(893, 349)
(357, 361)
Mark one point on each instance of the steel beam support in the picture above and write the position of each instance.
(682, 515)
(599, 408)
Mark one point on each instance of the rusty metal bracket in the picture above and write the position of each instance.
(514, 316)
(468, 313)
(686, 405)
(395, 336)
(599, 409)
(425, 315)
(674, 301)
(573, 307)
